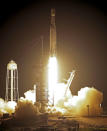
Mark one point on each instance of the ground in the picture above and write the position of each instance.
(63, 123)
(84, 122)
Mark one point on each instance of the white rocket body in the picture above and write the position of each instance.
(52, 34)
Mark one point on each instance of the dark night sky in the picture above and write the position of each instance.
(81, 41)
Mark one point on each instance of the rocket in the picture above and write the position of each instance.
(52, 34)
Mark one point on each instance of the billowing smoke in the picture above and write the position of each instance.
(29, 96)
(7, 107)
(24, 104)
(86, 103)
(25, 110)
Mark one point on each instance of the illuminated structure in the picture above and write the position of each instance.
(41, 84)
(12, 93)
(52, 34)
(69, 81)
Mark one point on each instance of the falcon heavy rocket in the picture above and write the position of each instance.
(52, 34)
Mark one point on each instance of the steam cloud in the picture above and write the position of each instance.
(25, 110)
(87, 102)
(22, 106)
(7, 107)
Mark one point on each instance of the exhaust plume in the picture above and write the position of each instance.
(86, 103)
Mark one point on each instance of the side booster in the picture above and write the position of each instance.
(52, 34)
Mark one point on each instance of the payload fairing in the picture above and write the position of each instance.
(52, 34)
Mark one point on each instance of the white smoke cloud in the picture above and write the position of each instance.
(87, 98)
(25, 110)
(87, 101)
(7, 107)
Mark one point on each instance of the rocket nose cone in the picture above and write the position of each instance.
(52, 12)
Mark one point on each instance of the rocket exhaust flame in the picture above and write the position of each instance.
(52, 79)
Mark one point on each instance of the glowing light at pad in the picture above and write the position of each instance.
(52, 79)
